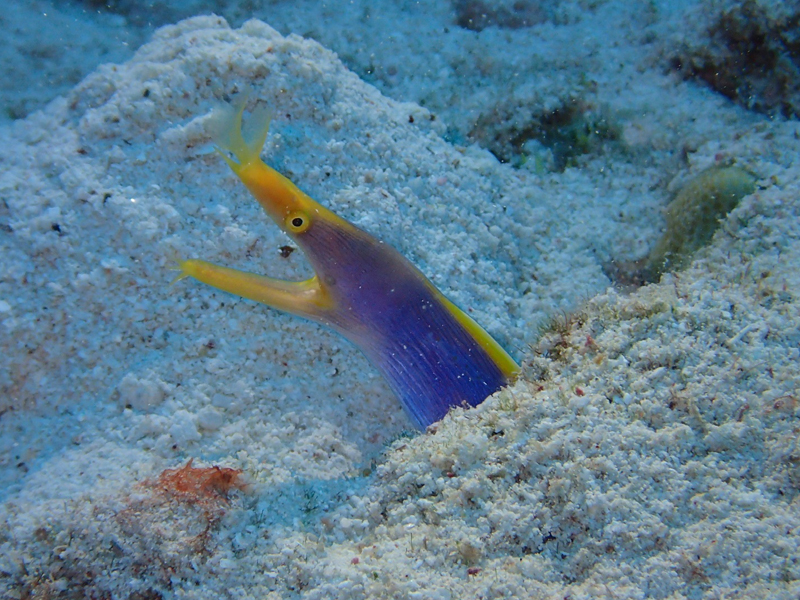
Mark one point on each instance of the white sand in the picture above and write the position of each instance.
(654, 454)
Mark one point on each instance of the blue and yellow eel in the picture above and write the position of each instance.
(432, 354)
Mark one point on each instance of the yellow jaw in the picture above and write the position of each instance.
(304, 298)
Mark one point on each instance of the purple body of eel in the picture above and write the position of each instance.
(432, 354)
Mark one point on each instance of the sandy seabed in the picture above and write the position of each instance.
(648, 450)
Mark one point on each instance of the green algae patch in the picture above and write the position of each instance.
(695, 213)
(554, 139)
(748, 53)
(692, 218)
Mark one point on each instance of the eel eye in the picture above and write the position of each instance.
(297, 222)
